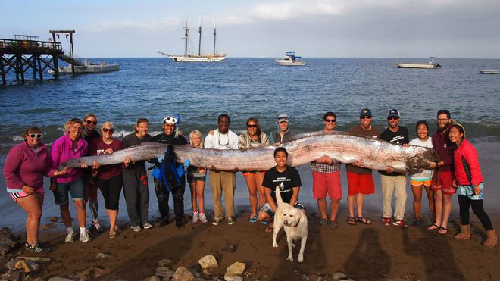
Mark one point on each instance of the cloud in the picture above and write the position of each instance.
(290, 9)
(149, 25)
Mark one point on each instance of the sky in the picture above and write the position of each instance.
(257, 28)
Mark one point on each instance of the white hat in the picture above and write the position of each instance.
(170, 120)
(283, 118)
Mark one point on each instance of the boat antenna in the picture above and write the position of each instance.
(199, 42)
(186, 36)
(215, 35)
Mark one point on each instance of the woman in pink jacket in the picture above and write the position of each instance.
(25, 166)
(68, 147)
(470, 186)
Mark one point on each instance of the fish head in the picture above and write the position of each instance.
(421, 160)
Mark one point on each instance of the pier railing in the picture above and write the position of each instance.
(13, 46)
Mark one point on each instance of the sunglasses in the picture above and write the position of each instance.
(331, 120)
(252, 126)
(91, 122)
(392, 118)
(364, 117)
(38, 136)
(108, 130)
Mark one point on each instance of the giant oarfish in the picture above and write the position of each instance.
(373, 153)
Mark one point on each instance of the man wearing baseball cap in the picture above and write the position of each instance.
(359, 178)
(393, 182)
(282, 134)
(169, 136)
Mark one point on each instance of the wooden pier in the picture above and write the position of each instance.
(25, 53)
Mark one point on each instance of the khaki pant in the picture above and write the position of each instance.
(223, 183)
(396, 185)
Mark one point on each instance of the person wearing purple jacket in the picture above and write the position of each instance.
(25, 166)
(65, 148)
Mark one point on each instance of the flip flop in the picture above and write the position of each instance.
(364, 220)
(442, 230)
(269, 229)
(433, 227)
(351, 220)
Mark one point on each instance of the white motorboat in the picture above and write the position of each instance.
(88, 68)
(430, 65)
(291, 59)
(214, 57)
(485, 71)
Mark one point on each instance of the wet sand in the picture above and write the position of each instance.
(362, 252)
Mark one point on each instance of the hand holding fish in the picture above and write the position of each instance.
(61, 172)
(127, 161)
(389, 169)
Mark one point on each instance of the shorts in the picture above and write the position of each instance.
(468, 190)
(247, 173)
(327, 183)
(267, 208)
(192, 179)
(360, 183)
(426, 183)
(111, 189)
(22, 194)
(75, 188)
(442, 180)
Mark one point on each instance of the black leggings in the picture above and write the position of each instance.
(111, 189)
(478, 209)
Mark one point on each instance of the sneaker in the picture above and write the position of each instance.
(230, 220)
(136, 228)
(216, 221)
(253, 218)
(196, 217)
(69, 237)
(400, 223)
(147, 226)
(85, 237)
(323, 221)
(203, 218)
(38, 248)
(96, 226)
(386, 221)
(333, 224)
(112, 234)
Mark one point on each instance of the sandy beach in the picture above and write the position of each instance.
(362, 252)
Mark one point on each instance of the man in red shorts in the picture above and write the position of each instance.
(441, 182)
(360, 179)
(326, 178)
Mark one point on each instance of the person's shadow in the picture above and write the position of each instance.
(436, 254)
(368, 261)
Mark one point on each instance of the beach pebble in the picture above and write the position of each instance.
(305, 277)
(208, 261)
(49, 225)
(236, 268)
(103, 256)
(228, 277)
(152, 278)
(90, 273)
(57, 278)
(24, 266)
(183, 274)
(14, 275)
(35, 259)
(164, 272)
(165, 262)
(338, 275)
(229, 248)
(7, 240)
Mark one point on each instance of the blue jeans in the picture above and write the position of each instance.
(75, 188)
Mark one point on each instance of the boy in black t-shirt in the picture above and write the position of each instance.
(288, 180)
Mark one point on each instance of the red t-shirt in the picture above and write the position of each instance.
(97, 147)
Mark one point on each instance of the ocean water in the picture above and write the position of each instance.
(154, 88)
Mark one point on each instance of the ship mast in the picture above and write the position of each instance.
(186, 36)
(199, 41)
(215, 35)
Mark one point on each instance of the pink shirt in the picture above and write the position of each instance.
(62, 150)
(25, 166)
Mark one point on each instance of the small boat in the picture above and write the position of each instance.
(88, 67)
(484, 71)
(291, 59)
(430, 65)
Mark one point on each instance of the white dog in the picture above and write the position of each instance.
(294, 221)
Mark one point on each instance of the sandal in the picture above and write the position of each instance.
(269, 229)
(364, 220)
(433, 227)
(351, 220)
(443, 230)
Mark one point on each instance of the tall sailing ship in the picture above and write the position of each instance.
(214, 57)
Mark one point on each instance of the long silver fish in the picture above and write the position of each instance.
(375, 154)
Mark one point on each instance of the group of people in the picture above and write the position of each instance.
(27, 163)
